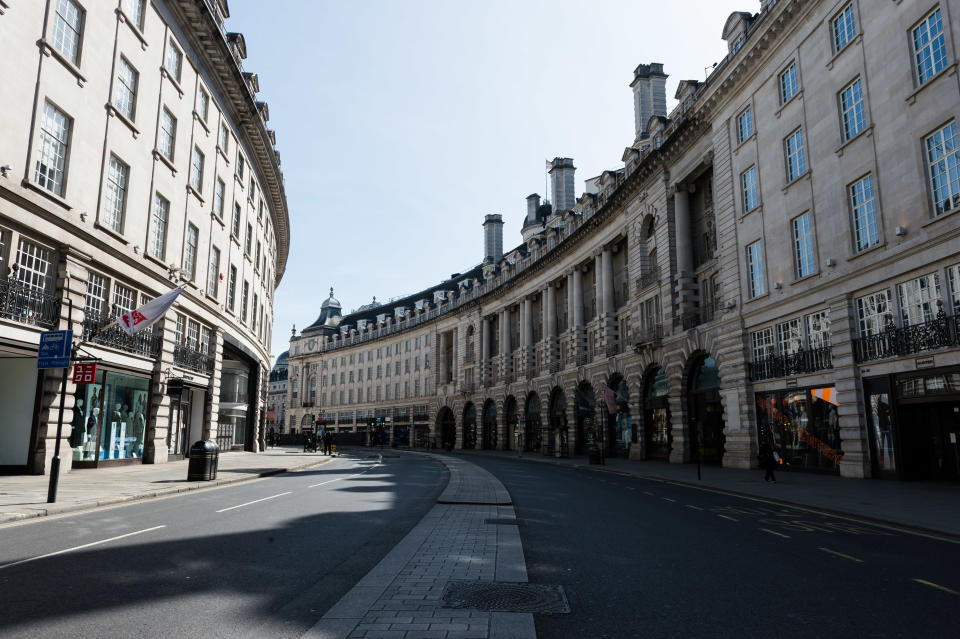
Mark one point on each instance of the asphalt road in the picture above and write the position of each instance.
(641, 558)
(258, 559)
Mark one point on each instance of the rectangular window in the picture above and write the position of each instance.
(918, 299)
(174, 60)
(240, 167)
(224, 137)
(125, 95)
(134, 10)
(232, 288)
(256, 262)
(203, 104)
(788, 83)
(758, 283)
(249, 241)
(166, 138)
(115, 198)
(789, 337)
(874, 312)
(929, 48)
(803, 246)
(253, 317)
(124, 300)
(865, 227)
(851, 106)
(844, 28)
(818, 329)
(213, 272)
(748, 186)
(235, 229)
(245, 296)
(67, 29)
(52, 149)
(34, 266)
(190, 252)
(218, 196)
(158, 226)
(943, 164)
(744, 125)
(96, 299)
(196, 170)
(796, 159)
(953, 273)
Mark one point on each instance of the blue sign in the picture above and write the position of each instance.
(54, 351)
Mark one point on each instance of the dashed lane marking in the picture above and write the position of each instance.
(668, 499)
(840, 554)
(728, 517)
(255, 501)
(937, 586)
(774, 532)
(694, 507)
(647, 492)
(92, 543)
(324, 483)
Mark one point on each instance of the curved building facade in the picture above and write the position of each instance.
(136, 157)
(777, 259)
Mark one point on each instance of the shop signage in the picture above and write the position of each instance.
(85, 373)
(54, 351)
(925, 362)
(792, 383)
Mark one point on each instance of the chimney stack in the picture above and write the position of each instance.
(493, 238)
(561, 181)
(649, 96)
(533, 203)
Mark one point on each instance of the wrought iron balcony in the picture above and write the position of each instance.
(916, 338)
(508, 377)
(308, 404)
(691, 320)
(648, 338)
(190, 358)
(648, 278)
(145, 343)
(583, 359)
(469, 357)
(28, 305)
(803, 361)
(555, 366)
(613, 349)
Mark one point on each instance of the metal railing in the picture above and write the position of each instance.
(915, 338)
(691, 320)
(648, 278)
(803, 361)
(145, 343)
(28, 305)
(193, 359)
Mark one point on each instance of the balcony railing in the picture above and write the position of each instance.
(555, 366)
(803, 361)
(648, 337)
(193, 359)
(613, 349)
(469, 357)
(916, 338)
(583, 359)
(145, 343)
(649, 278)
(691, 320)
(28, 305)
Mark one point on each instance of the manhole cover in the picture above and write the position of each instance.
(503, 521)
(505, 597)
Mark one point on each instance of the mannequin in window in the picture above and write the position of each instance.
(78, 432)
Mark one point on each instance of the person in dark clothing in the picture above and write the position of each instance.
(767, 462)
(333, 442)
(326, 442)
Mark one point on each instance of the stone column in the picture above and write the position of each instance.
(681, 216)
(577, 303)
(526, 334)
(607, 278)
(849, 390)
(550, 311)
(442, 359)
(484, 350)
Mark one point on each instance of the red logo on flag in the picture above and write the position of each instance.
(85, 373)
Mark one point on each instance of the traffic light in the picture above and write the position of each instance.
(313, 420)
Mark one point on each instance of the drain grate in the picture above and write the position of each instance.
(505, 597)
(502, 521)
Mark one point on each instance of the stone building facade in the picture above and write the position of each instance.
(777, 259)
(135, 157)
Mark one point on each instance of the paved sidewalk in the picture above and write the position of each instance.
(927, 506)
(25, 496)
(401, 596)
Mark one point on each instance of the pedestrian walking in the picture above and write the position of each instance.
(326, 442)
(768, 462)
(333, 442)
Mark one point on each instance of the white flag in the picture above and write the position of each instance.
(132, 322)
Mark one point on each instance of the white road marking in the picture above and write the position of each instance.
(937, 586)
(728, 517)
(255, 501)
(324, 483)
(92, 543)
(774, 532)
(694, 507)
(840, 554)
(646, 492)
(668, 499)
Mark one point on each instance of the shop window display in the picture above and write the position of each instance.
(802, 427)
(110, 418)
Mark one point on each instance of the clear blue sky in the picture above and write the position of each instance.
(401, 123)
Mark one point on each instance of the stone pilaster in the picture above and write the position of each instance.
(849, 390)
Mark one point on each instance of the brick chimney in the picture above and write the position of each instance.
(649, 96)
(493, 238)
(561, 183)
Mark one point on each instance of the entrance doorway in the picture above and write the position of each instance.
(510, 420)
(930, 440)
(489, 425)
(706, 413)
(531, 437)
(657, 438)
(586, 418)
(447, 425)
(470, 426)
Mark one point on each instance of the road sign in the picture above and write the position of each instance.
(85, 373)
(54, 351)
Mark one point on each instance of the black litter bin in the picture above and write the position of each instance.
(204, 456)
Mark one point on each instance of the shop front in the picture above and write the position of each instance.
(532, 423)
(554, 438)
(110, 420)
(657, 437)
(801, 425)
(586, 429)
(514, 436)
(489, 425)
(620, 421)
(914, 430)
(187, 409)
(469, 426)
(19, 397)
(706, 413)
